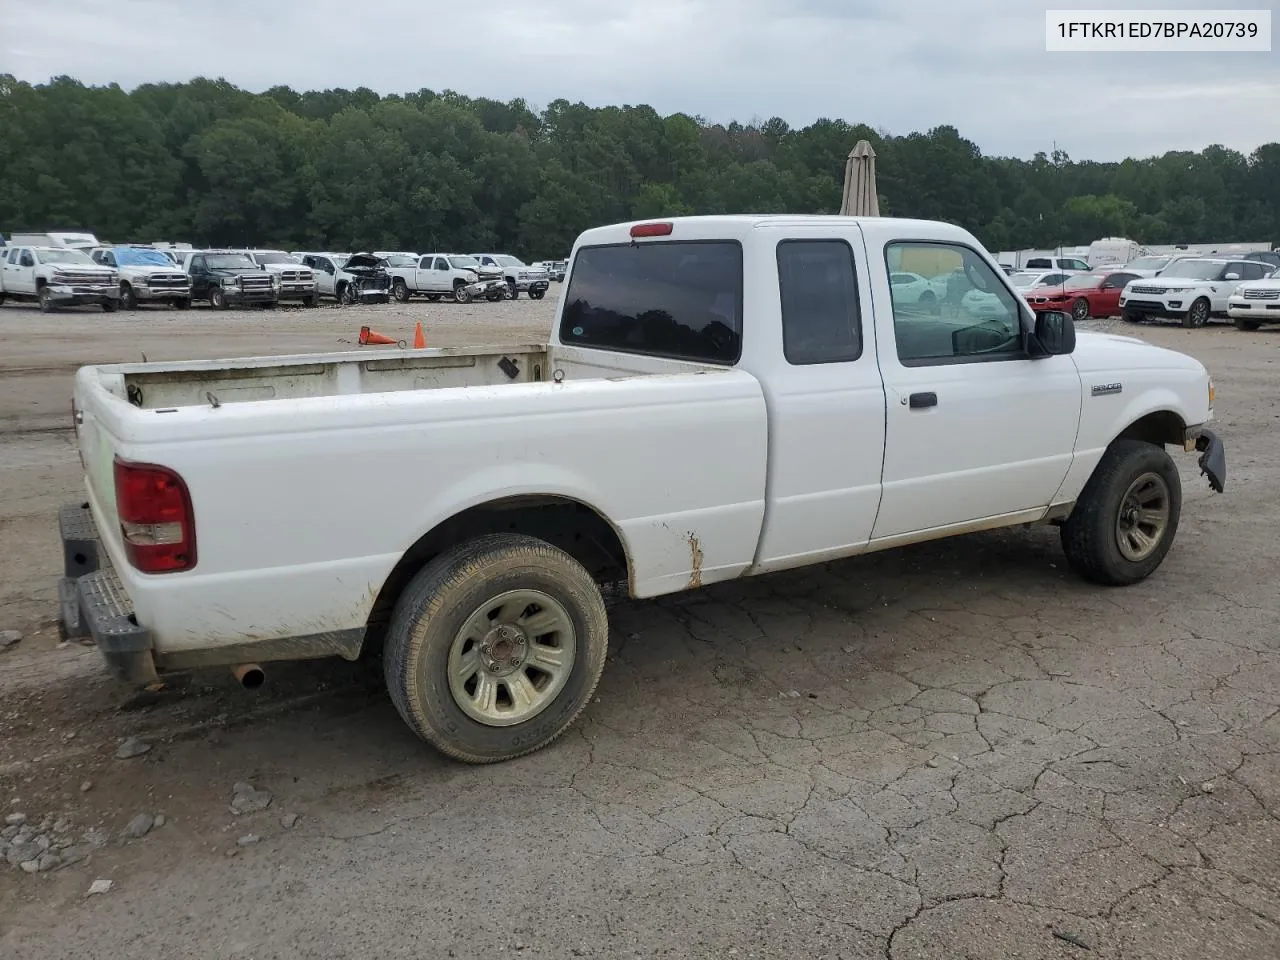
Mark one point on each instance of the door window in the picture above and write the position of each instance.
(821, 322)
(979, 319)
(27, 259)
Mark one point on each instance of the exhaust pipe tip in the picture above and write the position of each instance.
(250, 675)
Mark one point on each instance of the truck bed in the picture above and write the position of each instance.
(163, 386)
(311, 476)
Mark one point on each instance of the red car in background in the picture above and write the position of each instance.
(1083, 296)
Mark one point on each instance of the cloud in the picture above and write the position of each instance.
(908, 65)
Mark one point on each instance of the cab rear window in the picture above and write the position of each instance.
(678, 299)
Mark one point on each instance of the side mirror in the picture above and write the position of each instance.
(1232, 276)
(1056, 332)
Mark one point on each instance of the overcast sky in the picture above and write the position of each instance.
(898, 65)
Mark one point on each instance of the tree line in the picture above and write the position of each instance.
(209, 163)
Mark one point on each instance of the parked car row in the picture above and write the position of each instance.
(131, 275)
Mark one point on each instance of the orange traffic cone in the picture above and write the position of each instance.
(368, 337)
(419, 338)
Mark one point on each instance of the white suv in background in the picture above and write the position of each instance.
(1255, 302)
(1190, 290)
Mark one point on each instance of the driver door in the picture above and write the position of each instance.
(975, 429)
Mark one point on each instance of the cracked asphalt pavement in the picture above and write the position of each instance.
(956, 751)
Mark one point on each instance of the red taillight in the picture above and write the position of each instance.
(651, 230)
(156, 519)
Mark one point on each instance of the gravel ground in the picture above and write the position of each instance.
(951, 751)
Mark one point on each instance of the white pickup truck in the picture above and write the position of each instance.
(721, 397)
(437, 275)
(57, 277)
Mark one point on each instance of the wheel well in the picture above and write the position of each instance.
(568, 524)
(1161, 427)
(459, 282)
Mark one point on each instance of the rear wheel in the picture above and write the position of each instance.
(1198, 315)
(495, 647)
(128, 299)
(400, 291)
(1080, 310)
(1127, 515)
(1247, 324)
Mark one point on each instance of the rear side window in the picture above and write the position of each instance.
(676, 299)
(820, 317)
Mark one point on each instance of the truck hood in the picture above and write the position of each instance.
(238, 272)
(1099, 352)
(363, 261)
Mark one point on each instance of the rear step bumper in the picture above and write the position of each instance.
(93, 602)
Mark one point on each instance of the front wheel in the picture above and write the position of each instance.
(1132, 316)
(108, 306)
(347, 295)
(311, 302)
(182, 303)
(46, 300)
(128, 299)
(495, 647)
(461, 295)
(1080, 310)
(512, 293)
(1127, 515)
(400, 291)
(1247, 324)
(218, 298)
(537, 294)
(1198, 315)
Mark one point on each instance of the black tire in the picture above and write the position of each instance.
(218, 299)
(1197, 314)
(109, 306)
(347, 295)
(434, 608)
(512, 292)
(1132, 316)
(311, 302)
(1, 299)
(46, 300)
(1091, 535)
(128, 299)
(1080, 310)
(460, 293)
(1248, 324)
(537, 294)
(182, 303)
(401, 291)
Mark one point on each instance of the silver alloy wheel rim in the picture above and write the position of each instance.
(460, 294)
(1143, 517)
(511, 658)
(1081, 310)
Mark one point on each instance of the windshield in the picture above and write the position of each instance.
(510, 261)
(464, 263)
(229, 261)
(131, 257)
(1026, 279)
(1193, 270)
(340, 259)
(64, 256)
(1147, 263)
(275, 256)
(1088, 282)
